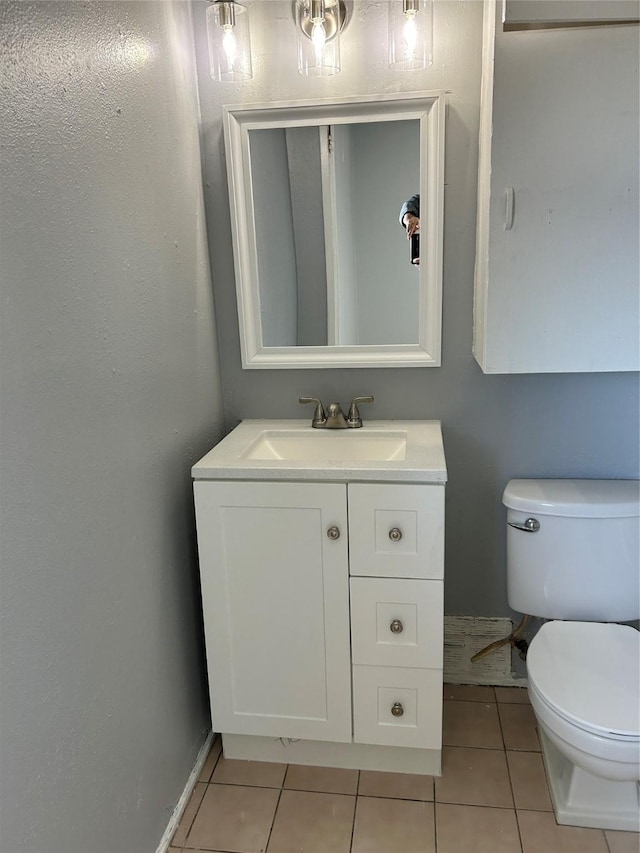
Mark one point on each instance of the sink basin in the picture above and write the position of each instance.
(329, 446)
(287, 449)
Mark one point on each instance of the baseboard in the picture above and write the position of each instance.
(181, 805)
(354, 756)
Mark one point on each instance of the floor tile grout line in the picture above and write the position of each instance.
(355, 809)
(206, 784)
(217, 761)
(513, 793)
(390, 797)
(538, 748)
(192, 821)
(519, 829)
(322, 791)
(435, 826)
(306, 790)
(435, 822)
(275, 811)
(251, 785)
(494, 748)
(458, 699)
(504, 745)
(484, 806)
(422, 802)
(498, 705)
(476, 806)
(562, 825)
(476, 701)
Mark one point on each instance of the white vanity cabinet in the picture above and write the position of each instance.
(323, 598)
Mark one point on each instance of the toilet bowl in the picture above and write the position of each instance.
(573, 557)
(584, 686)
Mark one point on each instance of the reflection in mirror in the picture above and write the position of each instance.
(333, 263)
(323, 267)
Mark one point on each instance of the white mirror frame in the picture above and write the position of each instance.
(429, 110)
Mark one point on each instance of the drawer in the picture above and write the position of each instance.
(396, 531)
(397, 622)
(414, 694)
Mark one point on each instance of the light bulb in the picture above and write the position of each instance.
(229, 40)
(230, 47)
(319, 39)
(410, 34)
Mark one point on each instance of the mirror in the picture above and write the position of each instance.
(323, 269)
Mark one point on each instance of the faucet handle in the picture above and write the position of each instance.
(353, 418)
(319, 416)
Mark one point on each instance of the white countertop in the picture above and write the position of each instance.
(423, 461)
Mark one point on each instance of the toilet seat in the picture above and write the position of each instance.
(588, 674)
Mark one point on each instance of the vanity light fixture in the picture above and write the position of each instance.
(229, 40)
(410, 34)
(319, 23)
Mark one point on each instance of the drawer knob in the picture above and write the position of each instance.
(397, 710)
(333, 532)
(396, 627)
(395, 534)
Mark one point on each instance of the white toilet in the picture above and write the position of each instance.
(573, 556)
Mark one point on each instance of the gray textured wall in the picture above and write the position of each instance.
(495, 427)
(110, 391)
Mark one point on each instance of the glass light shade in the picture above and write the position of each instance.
(410, 34)
(318, 24)
(229, 41)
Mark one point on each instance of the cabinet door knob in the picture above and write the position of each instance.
(333, 532)
(397, 710)
(396, 627)
(395, 534)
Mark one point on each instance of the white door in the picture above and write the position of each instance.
(276, 607)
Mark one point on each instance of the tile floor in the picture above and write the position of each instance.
(492, 797)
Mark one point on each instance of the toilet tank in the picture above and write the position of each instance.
(578, 556)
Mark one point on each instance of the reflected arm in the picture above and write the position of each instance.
(412, 206)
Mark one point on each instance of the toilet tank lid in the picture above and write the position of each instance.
(578, 498)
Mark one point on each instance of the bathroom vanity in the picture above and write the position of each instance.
(322, 563)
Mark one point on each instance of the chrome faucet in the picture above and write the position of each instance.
(334, 417)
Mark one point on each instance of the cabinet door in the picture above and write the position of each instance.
(396, 531)
(276, 608)
(557, 249)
